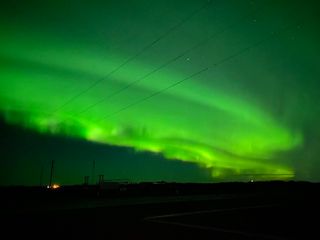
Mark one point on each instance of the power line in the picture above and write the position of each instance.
(172, 60)
(195, 46)
(157, 93)
(145, 48)
(222, 61)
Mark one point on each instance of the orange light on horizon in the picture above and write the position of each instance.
(54, 186)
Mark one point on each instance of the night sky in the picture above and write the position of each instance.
(185, 91)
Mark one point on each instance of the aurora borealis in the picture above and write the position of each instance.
(230, 87)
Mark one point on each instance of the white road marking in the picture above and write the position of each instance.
(159, 219)
(208, 211)
(246, 234)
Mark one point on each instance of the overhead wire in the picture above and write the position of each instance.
(170, 61)
(197, 73)
(128, 60)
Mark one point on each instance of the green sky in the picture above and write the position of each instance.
(230, 87)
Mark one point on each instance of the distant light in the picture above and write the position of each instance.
(55, 186)
(251, 180)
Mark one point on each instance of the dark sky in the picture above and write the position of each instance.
(160, 90)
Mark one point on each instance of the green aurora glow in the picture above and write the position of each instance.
(217, 119)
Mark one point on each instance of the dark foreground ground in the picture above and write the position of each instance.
(279, 211)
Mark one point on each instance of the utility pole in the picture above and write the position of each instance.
(41, 175)
(101, 179)
(51, 173)
(93, 171)
(86, 181)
